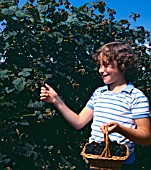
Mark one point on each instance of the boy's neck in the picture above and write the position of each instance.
(116, 88)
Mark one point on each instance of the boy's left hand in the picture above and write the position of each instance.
(112, 127)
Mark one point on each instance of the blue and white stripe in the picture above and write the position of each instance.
(122, 107)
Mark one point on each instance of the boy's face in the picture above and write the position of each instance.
(110, 73)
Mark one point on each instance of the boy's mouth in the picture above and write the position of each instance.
(105, 75)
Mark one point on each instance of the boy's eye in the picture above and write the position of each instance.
(106, 64)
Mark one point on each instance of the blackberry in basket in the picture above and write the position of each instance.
(105, 154)
(95, 148)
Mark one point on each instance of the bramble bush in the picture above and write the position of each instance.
(52, 42)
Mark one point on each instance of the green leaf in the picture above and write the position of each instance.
(24, 73)
(8, 104)
(79, 41)
(3, 74)
(42, 8)
(7, 46)
(9, 90)
(124, 21)
(27, 69)
(20, 14)
(134, 18)
(48, 76)
(31, 1)
(6, 161)
(40, 116)
(57, 34)
(141, 40)
(59, 40)
(36, 104)
(19, 83)
(82, 7)
(24, 123)
(35, 155)
(5, 11)
(101, 9)
(13, 9)
(66, 162)
(70, 19)
(88, 36)
(117, 26)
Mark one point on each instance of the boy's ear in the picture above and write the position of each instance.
(114, 63)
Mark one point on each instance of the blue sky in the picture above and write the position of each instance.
(123, 9)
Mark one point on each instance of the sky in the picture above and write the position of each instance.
(123, 9)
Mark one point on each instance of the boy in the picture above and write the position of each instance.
(118, 105)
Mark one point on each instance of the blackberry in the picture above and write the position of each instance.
(97, 148)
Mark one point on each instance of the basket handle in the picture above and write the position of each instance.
(106, 153)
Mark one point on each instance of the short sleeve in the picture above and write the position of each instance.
(140, 106)
(92, 99)
(90, 103)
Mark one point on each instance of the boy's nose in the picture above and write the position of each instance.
(101, 68)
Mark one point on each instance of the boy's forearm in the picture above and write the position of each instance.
(70, 116)
(139, 136)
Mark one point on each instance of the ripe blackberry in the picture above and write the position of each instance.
(97, 148)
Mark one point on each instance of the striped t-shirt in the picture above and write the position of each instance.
(122, 107)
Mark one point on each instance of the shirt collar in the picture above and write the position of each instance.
(127, 89)
(104, 88)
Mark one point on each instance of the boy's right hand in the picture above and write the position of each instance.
(48, 94)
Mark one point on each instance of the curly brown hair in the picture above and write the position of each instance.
(122, 53)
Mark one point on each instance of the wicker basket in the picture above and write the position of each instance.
(105, 160)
